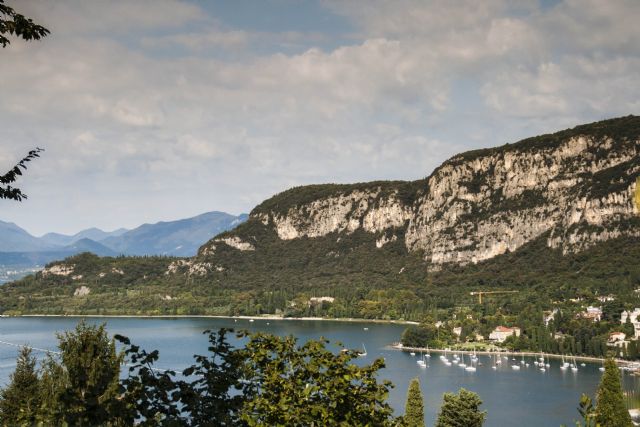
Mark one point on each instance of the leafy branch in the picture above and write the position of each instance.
(19, 25)
(6, 190)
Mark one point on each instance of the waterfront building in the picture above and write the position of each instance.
(501, 333)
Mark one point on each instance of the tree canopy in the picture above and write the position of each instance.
(13, 23)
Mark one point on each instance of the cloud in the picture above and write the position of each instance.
(157, 110)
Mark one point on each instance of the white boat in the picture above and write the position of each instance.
(366, 329)
(470, 369)
(522, 361)
(583, 364)
(515, 367)
(574, 367)
(428, 355)
(412, 353)
(363, 353)
(461, 363)
(421, 361)
(251, 320)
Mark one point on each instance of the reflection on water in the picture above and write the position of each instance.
(523, 397)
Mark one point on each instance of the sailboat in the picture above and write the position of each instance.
(601, 368)
(363, 353)
(470, 368)
(428, 355)
(574, 367)
(455, 359)
(564, 364)
(522, 361)
(462, 364)
(413, 353)
(421, 362)
(445, 360)
(515, 366)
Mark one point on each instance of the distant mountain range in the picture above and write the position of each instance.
(20, 250)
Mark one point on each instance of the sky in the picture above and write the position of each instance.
(155, 110)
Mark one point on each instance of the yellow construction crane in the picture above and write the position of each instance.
(480, 293)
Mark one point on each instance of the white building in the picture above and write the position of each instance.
(501, 333)
(593, 313)
(549, 316)
(616, 336)
(634, 318)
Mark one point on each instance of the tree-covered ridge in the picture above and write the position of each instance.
(622, 130)
(300, 196)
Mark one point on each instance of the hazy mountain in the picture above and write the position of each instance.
(179, 238)
(15, 239)
(21, 253)
(40, 258)
(94, 234)
(88, 245)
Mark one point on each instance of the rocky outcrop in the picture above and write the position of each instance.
(579, 187)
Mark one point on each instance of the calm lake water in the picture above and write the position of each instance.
(512, 398)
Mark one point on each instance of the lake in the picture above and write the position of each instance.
(525, 398)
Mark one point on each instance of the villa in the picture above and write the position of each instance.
(592, 313)
(501, 333)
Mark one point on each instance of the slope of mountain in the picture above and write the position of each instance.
(177, 238)
(14, 238)
(94, 234)
(88, 245)
(546, 215)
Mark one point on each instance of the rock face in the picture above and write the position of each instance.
(580, 186)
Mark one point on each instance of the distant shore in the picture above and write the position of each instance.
(205, 316)
(512, 353)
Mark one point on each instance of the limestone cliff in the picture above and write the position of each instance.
(578, 187)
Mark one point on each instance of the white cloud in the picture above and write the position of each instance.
(157, 114)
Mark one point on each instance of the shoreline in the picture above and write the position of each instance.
(512, 353)
(211, 316)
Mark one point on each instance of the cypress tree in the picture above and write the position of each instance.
(610, 409)
(414, 408)
(461, 409)
(19, 401)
